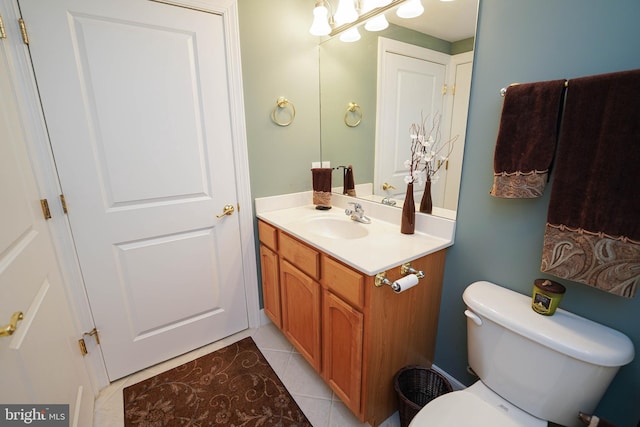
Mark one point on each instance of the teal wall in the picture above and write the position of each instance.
(496, 240)
(501, 240)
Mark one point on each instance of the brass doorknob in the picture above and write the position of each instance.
(386, 186)
(9, 329)
(227, 210)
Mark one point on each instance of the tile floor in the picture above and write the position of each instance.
(315, 398)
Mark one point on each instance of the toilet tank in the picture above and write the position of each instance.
(550, 366)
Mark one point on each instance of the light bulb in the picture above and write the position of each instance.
(410, 9)
(350, 35)
(320, 25)
(377, 23)
(346, 12)
(367, 5)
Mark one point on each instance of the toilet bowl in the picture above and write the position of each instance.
(532, 369)
(475, 406)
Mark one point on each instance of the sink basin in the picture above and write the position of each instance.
(336, 228)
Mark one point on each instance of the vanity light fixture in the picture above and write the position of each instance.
(350, 35)
(346, 12)
(377, 23)
(351, 13)
(320, 25)
(410, 9)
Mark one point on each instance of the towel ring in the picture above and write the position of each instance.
(281, 104)
(356, 111)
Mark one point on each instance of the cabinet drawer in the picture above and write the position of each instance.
(343, 281)
(302, 256)
(268, 235)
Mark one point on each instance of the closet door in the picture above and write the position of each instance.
(41, 361)
(137, 102)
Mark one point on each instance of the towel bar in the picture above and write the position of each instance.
(503, 91)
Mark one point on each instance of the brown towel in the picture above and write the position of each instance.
(592, 234)
(321, 178)
(349, 182)
(527, 139)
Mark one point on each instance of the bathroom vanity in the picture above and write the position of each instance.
(355, 334)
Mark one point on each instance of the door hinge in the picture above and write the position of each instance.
(444, 89)
(3, 34)
(453, 90)
(45, 208)
(64, 203)
(83, 345)
(23, 30)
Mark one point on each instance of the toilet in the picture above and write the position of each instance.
(532, 369)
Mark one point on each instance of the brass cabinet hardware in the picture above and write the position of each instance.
(10, 328)
(227, 210)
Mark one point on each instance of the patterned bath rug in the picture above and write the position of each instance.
(233, 386)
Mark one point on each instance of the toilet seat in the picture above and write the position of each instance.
(475, 406)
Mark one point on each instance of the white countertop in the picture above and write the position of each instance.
(383, 247)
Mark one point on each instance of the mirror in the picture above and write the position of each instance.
(350, 75)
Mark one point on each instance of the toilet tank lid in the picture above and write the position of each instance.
(564, 332)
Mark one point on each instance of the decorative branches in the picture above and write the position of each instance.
(428, 152)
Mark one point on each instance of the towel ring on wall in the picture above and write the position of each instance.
(281, 104)
(353, 110)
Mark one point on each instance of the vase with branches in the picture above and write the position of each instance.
(429, 152)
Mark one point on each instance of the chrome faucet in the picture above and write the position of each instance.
(357, 214)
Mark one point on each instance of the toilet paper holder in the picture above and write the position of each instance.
(381, 278)
(407, 269)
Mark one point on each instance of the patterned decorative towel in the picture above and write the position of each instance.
(321, 180)
(527, 139)
(592, 234)
(349, 182)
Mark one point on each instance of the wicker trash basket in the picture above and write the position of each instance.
(416, 386)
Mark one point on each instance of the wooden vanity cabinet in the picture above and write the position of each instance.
(301, 312)
(270, 271)
(356, 335)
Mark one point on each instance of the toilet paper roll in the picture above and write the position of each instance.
(407, 282)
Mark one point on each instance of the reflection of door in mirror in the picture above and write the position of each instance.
(415, 84)
(460, 75)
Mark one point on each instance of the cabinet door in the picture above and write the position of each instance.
(270, 284)
(342, 345)
(301, 312)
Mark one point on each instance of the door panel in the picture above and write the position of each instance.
(41, 362)
(412, 90)
(136, 99)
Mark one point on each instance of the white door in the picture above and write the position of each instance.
(136, 99)
(411, 88)
(461, 67)
(40, 362)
